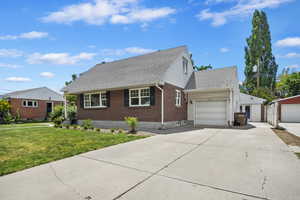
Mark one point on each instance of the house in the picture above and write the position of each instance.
(289, 109)
(253, 107)
(159, 88)
(33, 104)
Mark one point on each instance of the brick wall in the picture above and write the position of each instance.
(38, 113)
(117, 110)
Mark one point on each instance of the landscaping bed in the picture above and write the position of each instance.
(288, 138)
(25, 148)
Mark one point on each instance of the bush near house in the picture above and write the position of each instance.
(132, 123)
(5, 116)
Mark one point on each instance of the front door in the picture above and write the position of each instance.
(49, 107)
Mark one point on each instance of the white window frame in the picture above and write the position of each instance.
(139, 97)
(178, 98)
(185, 64)
(90, 100)
(35, 104)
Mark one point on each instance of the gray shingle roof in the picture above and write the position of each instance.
(220, 78)
(249, 99)
(139, 70)
(42, 93)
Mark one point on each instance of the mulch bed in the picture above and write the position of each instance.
(288, 138)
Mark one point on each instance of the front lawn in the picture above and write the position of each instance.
(28, 147)
(24, 125)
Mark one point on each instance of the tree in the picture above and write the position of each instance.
(4, 111)
(203, 67)
(71, 99)
(289, 85)
(258, 52)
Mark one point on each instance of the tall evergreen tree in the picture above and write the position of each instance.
(259, 52)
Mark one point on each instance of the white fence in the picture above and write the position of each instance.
(272, 114)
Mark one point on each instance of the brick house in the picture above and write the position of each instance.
(158, 88)
(33, 104)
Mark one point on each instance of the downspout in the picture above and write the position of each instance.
(162, 104)
(231, 107)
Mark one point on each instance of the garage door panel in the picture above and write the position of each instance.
(210, 113)
(290, 112)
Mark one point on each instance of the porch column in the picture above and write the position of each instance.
(65, 106)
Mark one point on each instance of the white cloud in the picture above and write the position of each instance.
(18, 79)
(289, 42)
(10, 53)
(290, 55)
(59, 58)
(12, 66)
(29, 35)
(295, 66)
(224, 50)
(241, 8)
(47, 74)
(99, 12)
(129, 50)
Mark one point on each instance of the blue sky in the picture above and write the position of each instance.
(43, 42)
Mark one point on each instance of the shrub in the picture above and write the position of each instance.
(58, 121)
(72, 114)
(8, 118)
(112, 130)
(4, 111)
(132, 123)
(98, 129)
(74, 126)
(87, 124)
(120, 131)
(58, 113)
(67, 126)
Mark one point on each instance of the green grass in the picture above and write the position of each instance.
(23, 125)
(298, 154)
(25, 148)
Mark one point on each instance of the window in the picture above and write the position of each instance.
(95, 100)
(139, 97)
(29, 103)
(178, 98)
(185, 65)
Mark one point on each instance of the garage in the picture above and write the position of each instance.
(210, 113)
(290, 112)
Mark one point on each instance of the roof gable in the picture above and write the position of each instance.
(42, 93)
(134, 71)
(220, 78)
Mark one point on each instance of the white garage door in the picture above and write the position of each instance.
(255, 114)
(210, 113)
(290, 112)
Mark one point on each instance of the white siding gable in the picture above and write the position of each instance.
(175, 74)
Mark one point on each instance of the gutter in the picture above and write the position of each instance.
(162, 104)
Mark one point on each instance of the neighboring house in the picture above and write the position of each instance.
(289, 109)
(253, 107)
(150, 87)
(33, 104)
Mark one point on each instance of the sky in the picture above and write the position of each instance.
(42, 43)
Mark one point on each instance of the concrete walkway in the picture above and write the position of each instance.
(210, 164)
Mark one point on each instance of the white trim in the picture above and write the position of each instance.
(139, 97)
(162, 105)
(33, 102)
(178, 97)
(90, 101)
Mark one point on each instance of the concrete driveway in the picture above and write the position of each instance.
(293, 128)
(210, 164)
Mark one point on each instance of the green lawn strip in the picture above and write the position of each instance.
(25, 148)
(23, 125)
(298, 154)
